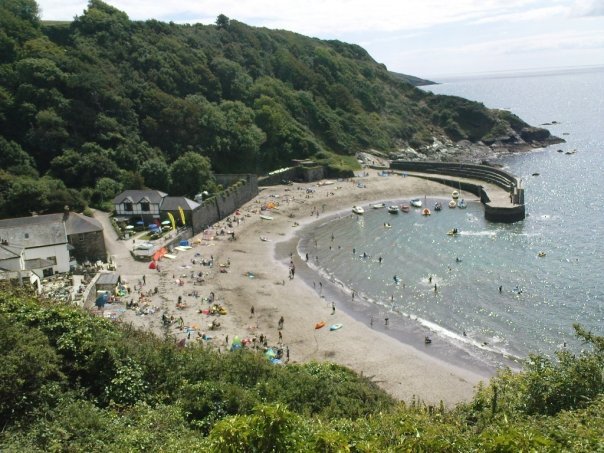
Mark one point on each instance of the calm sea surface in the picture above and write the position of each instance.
(541, 297)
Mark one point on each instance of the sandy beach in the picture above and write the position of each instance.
(249, 271)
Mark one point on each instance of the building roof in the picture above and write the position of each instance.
(135, 196)
(108, 278)
(172, 204)
(9, 252)
(79, 224)
(47, 229)
(35, 231)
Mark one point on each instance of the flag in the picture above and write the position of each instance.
(182, 215)
(172, 221)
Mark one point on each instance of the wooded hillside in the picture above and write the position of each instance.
(103, 103)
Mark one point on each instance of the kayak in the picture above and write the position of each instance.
(319, 324)
(335, 326)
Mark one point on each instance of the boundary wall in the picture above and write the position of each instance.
(239, 190)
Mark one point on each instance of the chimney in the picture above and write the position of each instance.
(65, 213)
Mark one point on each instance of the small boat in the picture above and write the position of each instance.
(455, 195)
(393, 209)
(320, 324)
(453, 232)
(452, 204)
(405, 207)
(462, 204)
(378, 205)
(387, 225)
(438, 206)
(335, 326)
(535, 174)
(264, 239)
(426, 211)
(358, 210)
(427, 339)
(416, 203)
(266, 217)
(541, 254)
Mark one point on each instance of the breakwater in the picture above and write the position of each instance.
(500, 192)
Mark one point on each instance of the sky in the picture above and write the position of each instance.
(425, 38)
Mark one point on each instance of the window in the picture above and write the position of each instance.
(52, 259)
(26, 235)
(128, 206)
(145, 206)
(81, 237)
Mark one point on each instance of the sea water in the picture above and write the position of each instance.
(487, 291)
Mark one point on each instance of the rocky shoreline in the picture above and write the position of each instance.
(446, 150)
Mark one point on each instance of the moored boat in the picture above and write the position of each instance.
(455, 195)
(426, 211)
(438, 206)
(393, 209)
(416, 203)
(462, 204)
(378, 205)
(405, 207)
(452, 204)
(358, 210)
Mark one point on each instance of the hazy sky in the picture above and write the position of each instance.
(426, 38)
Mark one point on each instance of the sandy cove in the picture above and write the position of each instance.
(253, 275)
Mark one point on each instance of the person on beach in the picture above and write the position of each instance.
(333, 308)
(500, 289)
(386, 321)
(252, 312)
(281, 321)
(280, 337)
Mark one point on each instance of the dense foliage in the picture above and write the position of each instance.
(104, 98)
(73, 382)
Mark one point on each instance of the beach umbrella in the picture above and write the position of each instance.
(152, 265)
(130, 227)
(166, 222)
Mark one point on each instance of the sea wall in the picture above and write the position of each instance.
(298, 173)
(507, 206)
(239, 190)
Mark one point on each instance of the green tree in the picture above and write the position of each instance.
(191, 173)
(156, 173)
(28, 365)
(222, 21)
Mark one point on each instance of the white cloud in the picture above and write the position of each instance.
(582, 8)
(313, 17)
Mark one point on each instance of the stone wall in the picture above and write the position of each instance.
(495, 213)
(242, 189)
(88, 246)
(301, 174)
